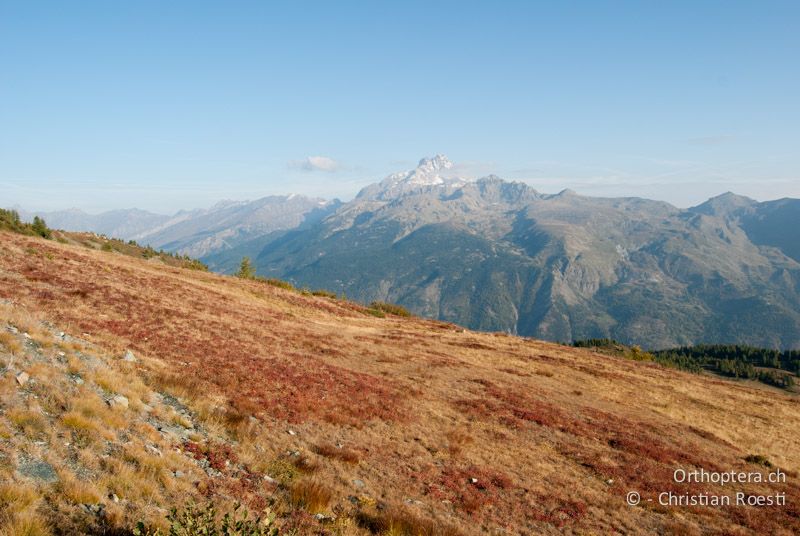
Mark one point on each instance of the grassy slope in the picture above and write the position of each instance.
(555, 436)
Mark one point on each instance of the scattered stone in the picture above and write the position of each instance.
(22, 378)
(26, 335)
(129, 357)
(12, 329)
(269, 480)
(78, 380)
(98, 509)
(114, 497)
(610, 481)
(62, 354)
(152, 449)
(119, 401)
(178, 474)
(38, 470)
(147, 408)
(358, 483)
(292, 432)
(473, 480)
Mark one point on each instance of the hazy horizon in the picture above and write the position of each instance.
(95, 210)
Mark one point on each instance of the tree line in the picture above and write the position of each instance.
(770, 366)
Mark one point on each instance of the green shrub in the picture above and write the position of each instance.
(193, 521)
(280, 284)
(324, 293)
(40, 228)
(10, 221)
(758, 459)
(374, 312)
(246, 269)
(194, 264)
(391, 308)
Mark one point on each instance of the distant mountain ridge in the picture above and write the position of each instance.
(500, 256)
(497, 255)
(124, 223)
(198, 232)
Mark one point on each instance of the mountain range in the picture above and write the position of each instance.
(496, 255)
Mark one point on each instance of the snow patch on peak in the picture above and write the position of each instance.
(430, 172)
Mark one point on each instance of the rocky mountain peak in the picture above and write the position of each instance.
(435, 163)
(429, 172)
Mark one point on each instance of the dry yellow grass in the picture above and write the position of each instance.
(9, 343)
(30, 422)
(311, 495)
(471, 431)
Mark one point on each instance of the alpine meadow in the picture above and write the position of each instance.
(399, 269)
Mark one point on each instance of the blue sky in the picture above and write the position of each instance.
(168, 105)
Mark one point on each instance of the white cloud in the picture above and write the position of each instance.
(316, 163)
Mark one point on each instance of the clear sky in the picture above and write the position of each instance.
(168, 105)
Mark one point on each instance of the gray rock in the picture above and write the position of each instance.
(12, 329)
(22, 378)
(129, 357)
(119, 401)
(358, 483)
(38, 470)
(178, 474)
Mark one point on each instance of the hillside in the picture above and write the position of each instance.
(496, 255)
(341, 422)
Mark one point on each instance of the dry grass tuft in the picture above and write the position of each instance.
(30, 423)
(329, 450)
(311, 495)
(10, 343)
(78, 491)
(402, 522)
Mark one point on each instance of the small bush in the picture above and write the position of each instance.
(401, 522)
(758, 459)
(280, 284)
(40, 228)
(374, 312)
(282, 470)
(193, 521)
(10, 220)
(391, 308)
(324, 293)
(246, 269)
